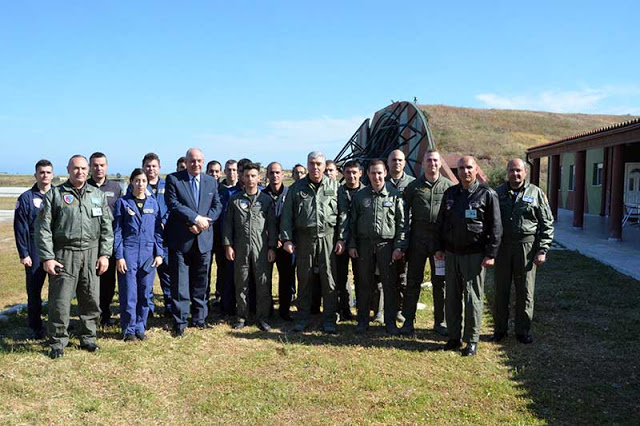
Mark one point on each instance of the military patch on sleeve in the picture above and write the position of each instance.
(366, 203)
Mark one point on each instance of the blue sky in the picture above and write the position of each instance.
(274, 80)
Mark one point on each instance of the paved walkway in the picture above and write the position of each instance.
(592, 241)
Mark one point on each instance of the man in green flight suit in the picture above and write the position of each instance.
(377, 239)
(74, 239)
(422, 198)
(527, 224)
(309, 218)
(250, 239)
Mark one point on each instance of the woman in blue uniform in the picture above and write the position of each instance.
(138, 251)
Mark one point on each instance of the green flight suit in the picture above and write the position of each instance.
(423, 200)
(250, 228)
(74, 228)
(309, 218)
(377, 227)
(527, 224)
(401, 266)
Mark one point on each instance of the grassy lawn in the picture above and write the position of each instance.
(581, 368)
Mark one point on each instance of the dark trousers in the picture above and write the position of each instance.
(35, 281)
(107, 289)
(286, 280)
(218, 254)
(165, 284)
(370, 255)
(229, 290)
(189, 285)
(419, 252)
(342, 279)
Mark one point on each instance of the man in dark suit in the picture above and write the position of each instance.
(193, 203)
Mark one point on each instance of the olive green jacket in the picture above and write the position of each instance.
(423, 204)
(73, 222)
(526, 217)
(376, 216)
(402, 184)
(310, 212)
(250, 227)
(345, 199)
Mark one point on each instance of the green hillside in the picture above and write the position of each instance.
(494, 135)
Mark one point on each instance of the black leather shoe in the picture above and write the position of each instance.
(108, 322)
(90, 347)
(286, 316)
(525, 338)
(178, 333)
(346, 315)
(407, 329)
(452, 345)
(40, 334)
(202, 326)
(362, 327)
(470, 350)
(130, 338)
(56, 353)
(264, 326)
(238, 325)
(141, 336)
(392, 330)
(330, 329)
(498, 337)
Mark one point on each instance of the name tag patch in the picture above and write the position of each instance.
(244, 204)
(130, 211)
(527, 199)
(387, 204)
(109, 193)
(470, 213)
(96, 211)
(96, 201)
(147, 211)
(257, 204)
(37, 202)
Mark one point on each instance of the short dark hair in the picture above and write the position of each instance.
(300, 165)
(150, 157)
(228, 162)
(43, 163)
(352, 163)
(136, 172)
(376, 163)
(212, 162)
(250, 166)
(331, 162)
(242, 163)
(97, 154)
(181, 160)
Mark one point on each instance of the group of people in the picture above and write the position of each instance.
(85, 231)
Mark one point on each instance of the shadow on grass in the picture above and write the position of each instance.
(582, 367)
(375, 338)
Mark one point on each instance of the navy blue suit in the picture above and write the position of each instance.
(137, 240)
(189, 254)
(27, 209)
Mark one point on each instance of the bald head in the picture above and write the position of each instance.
(396, 162)
(467, 170)
(516, 172)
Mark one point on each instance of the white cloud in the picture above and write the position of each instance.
(287, 141)
(605, 100)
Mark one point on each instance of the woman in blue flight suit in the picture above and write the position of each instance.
(138, 250)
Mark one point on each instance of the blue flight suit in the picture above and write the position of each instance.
(163, 270)
(137, 240)
(26, 211)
